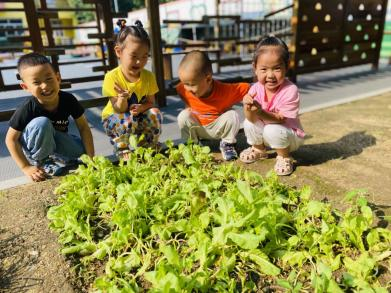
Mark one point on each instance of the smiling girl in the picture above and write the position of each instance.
(271, 108)
(131, 90)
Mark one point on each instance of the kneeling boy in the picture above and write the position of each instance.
(38, 130)
(208, 113)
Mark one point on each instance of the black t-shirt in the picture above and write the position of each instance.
(68, 105)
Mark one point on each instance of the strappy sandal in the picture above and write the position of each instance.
(283, 166)
(251, 155)
(123, 154)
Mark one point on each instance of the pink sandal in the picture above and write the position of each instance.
(251, 155)
(283, 166)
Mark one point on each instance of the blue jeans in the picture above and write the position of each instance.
(39, 140)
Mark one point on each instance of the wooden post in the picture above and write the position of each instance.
(156, 48)
(33, 25)
(167, 64)
(1, 81)
(217, 26)
(49, 35)
(101, 44)
(109, 31)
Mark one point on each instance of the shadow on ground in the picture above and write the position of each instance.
(378, 210)
(348, 145)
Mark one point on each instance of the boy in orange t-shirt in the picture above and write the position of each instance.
(208, 113)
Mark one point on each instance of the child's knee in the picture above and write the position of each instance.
(231, 122)
(257, 126)
(155, 113)
(247, 124)
(276, 136)
(232, 117)
(185, 118)
(41, 123)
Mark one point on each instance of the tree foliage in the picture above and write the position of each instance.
(128, 5)
(82, 16)
(123, 6)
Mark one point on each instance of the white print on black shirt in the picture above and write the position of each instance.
(60, 125)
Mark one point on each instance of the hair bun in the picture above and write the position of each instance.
(138, 23)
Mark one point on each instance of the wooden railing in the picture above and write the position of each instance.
(34, 40)
(322, 36)
(241, 34)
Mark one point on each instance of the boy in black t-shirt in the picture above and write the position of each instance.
(38, 132)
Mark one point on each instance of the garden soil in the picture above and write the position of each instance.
(347, 147)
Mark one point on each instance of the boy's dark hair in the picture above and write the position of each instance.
(274, 42)
(137, 30)
(32, 59)
(202, 60)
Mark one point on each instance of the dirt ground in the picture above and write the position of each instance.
(347, 147)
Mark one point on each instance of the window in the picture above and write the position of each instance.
(8, 28)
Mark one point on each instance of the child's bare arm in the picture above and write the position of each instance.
(250, 110)
(268, 116)
(136, 109)
(120, 102)
(85, 135)
(15, 149)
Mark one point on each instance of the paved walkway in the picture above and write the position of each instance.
(317, 90)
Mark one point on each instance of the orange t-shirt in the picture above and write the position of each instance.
(222, 98)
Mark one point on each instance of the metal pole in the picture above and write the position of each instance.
(156, 48)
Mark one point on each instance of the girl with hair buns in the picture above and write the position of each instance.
(131, 89)
(271, 108)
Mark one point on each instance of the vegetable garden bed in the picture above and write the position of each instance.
(179, 222)
(353, 155)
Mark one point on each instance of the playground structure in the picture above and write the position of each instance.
(321, 35)
(40, 36)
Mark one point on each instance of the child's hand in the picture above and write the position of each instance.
(279, 117)
(122, 94)
(249, 103)
(248, 99)
(135, 109)
(35, 173)
(257, 105)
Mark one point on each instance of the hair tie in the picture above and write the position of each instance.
(138, 23)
